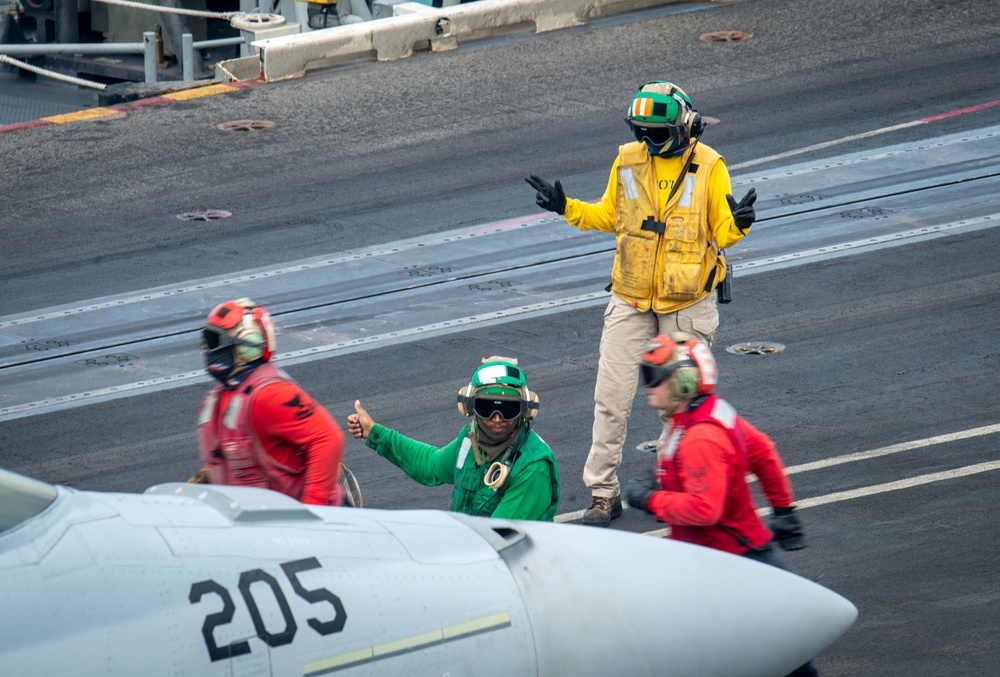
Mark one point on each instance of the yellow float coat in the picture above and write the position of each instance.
(674, 269)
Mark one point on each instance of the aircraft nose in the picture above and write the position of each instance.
(611, 602)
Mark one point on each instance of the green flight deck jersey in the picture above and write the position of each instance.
(531, 492)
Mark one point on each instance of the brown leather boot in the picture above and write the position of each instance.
(602, 510)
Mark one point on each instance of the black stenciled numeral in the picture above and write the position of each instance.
(287, 635)
(248, 578)
(212, 621)
(292, 569)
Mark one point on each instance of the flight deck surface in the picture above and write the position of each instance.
(422, 287)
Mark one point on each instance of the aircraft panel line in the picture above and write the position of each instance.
(407, 644)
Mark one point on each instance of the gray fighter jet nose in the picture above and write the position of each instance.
(211, 580)
(610, 602)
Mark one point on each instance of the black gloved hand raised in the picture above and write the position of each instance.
(743, 211)
(638, 491)
(787, 529)
(549, 197)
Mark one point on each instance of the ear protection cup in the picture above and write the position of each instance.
(531, 399)
(465, 401)
(696, 126)
(269, 339)
(685, 382)
(707, 372)
(497, 475)
(251, 333)
(252, 352)
(691, 121)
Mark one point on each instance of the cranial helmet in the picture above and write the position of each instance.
(662, 112)
(682, 359)
(498, 386)
(235, 334)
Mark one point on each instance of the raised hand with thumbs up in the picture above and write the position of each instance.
(360, 423)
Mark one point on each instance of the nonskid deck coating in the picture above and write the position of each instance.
(412, 289)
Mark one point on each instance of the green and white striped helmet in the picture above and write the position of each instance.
(498, 385)
(661, 111)
(499, 376)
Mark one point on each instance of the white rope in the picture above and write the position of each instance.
(52, 74)
(171, 10)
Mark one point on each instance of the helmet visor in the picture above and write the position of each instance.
(220, 363)
(213, 339)
(486, 407)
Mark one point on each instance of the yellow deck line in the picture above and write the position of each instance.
(198, 92)
(100, 112)
(87, 114)
(406, 644)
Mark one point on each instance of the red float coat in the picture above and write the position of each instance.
(267, 432)
(764, 462)
(703, 460)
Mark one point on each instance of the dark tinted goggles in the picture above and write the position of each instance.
(658, 136)
(508, 409)
(651, 375)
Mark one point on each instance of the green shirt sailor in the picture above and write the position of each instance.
(498, 465)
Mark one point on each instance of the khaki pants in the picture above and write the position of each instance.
(627, 333)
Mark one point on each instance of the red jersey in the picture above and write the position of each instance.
(703, 461)
(304, 445)
(764, 462)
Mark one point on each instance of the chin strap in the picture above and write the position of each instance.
(475, 446)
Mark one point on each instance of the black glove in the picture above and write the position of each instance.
(549, 197)
(743, 212)
(638, 491)
(787, 529)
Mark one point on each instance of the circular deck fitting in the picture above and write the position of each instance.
(245, 125)
(649, 445)
(755, 348)
(725, 36)
(204, 215)
(251, 21)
